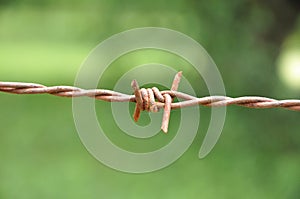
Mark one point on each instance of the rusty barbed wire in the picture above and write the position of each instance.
(151, 99)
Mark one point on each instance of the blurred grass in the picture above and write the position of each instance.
(43, 62)
(41, 153)
(42, 157)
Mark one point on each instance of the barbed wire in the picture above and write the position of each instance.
(151, 99)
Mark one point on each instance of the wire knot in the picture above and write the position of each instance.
(147, 100)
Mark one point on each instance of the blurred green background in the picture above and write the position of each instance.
(256, 46)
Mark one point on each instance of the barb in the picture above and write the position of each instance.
(150, 99)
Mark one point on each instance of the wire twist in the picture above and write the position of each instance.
(151, 99)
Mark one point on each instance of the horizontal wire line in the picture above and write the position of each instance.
(113, 96)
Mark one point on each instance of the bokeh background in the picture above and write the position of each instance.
(255, 44)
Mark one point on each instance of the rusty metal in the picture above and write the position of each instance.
(168, 101)
(151, 99)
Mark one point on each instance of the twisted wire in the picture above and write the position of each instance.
(151, 99)
(113, 96)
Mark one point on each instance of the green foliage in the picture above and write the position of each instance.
(46, 42)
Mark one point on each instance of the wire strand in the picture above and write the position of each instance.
(151, 99)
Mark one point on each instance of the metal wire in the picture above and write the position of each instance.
(151, 99)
